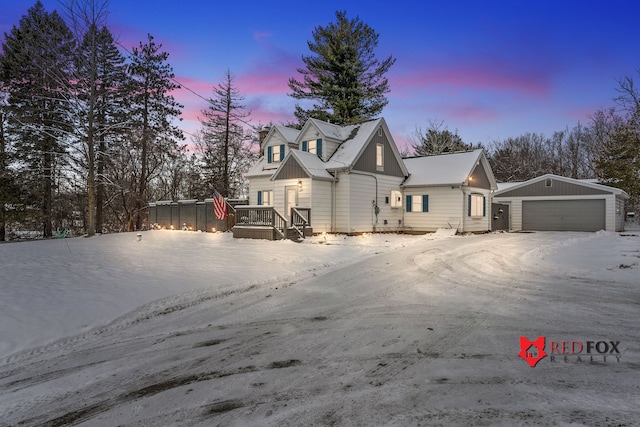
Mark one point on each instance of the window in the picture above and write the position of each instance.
(396, 199)
(548, 182)
(379, 157)
(477, 205)
(313, 146)
(265, 197)
(275, 153)
(418, 203)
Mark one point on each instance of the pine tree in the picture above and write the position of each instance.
(619, 161)
(437, 139)
(152, 131)
(101, 86)
(8, 185)
(343, 76)
(222, 142)
(37, 65)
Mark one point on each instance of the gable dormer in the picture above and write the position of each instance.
(320, 138)
(277, 144)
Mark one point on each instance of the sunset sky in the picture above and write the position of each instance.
(490, 69)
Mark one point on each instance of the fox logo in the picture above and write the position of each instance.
(532, 351)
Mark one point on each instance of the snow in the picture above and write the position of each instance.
(444, 169)
(191, 328)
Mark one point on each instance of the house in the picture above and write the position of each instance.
(449, 191)
(556, 203)
(352, 179)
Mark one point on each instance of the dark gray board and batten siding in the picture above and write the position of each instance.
(556, 188)
(367, 160)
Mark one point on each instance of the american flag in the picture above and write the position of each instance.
(219, 205)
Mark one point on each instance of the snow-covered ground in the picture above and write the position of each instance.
(184, 328)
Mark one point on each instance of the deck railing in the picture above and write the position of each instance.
(262, 216)
(300, 220)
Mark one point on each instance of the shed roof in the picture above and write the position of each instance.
(258, 169)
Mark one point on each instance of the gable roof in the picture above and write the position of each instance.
(581, 182)
(284, 133)
(312, 165)
(446, 169)
(329, 130)
(356, 138)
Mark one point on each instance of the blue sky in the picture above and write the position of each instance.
(490, 69)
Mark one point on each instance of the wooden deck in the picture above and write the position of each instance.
(265, 222)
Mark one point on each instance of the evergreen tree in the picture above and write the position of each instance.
(619, 161)
(223, 144)
(437, 139)
(152, 132)
(36, 66)
(8, 186)
(343, 76)
(101, 82)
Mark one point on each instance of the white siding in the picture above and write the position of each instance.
(258, 184)
(476, 224)
(304, 196)
(341, 209)
(328, 146)
(321, 206)
(363, 192)
(392, 216)
(445, 209)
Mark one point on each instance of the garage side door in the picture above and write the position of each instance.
(563, 215)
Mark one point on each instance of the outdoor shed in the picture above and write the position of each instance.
(555, 203)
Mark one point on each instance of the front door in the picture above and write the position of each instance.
(290, 200)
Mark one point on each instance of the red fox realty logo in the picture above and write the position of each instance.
(533, 351)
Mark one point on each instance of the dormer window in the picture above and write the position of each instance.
(275, 153)
(313, 146)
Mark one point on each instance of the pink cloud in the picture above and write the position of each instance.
(268, 82)
(477, 74)
(471, 113)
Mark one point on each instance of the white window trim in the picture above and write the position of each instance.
(312, 146)
(275, 158)
(477, 201)
(396, 199)
(416, 203)
(379, 157)
(267, 197)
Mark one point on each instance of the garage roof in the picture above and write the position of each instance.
(556, 185)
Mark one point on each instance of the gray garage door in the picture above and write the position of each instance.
(563, 215)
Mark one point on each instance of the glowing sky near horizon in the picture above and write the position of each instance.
(490, 69)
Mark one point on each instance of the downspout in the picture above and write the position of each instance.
(375, 210)
(333, 204)
(404, 198)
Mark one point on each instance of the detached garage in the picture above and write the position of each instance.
(555, 203)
